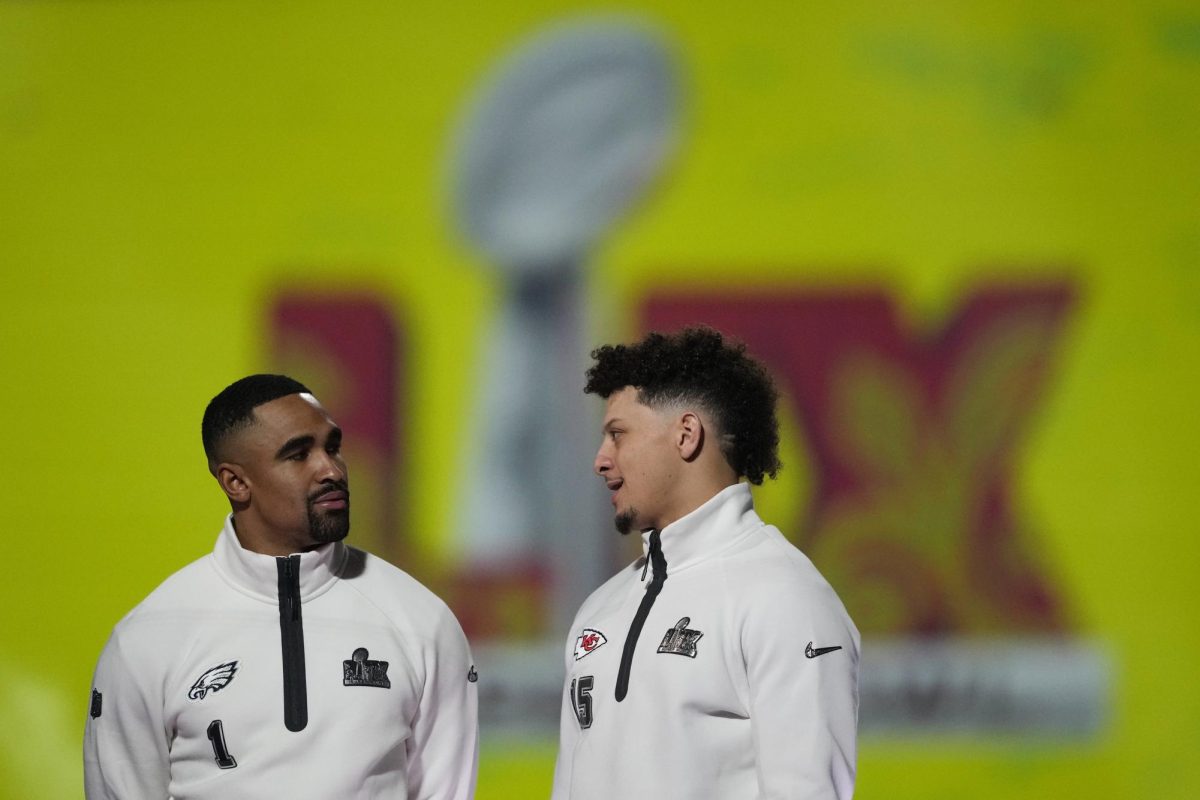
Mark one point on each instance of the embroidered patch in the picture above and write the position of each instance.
(362, 671)
(214, 679)
(588, 641)
(680, 640)
(97, 703)
(472, 675)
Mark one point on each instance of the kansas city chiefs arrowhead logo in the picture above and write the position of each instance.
(588, 641)
(213, 680)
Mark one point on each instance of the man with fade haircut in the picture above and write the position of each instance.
(720, 664)
(284, 663)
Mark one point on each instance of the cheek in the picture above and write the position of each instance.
(660, 472)
(283, 494)
(643, 468)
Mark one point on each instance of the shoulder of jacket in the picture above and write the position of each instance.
(769, 565)
(170, 613)
(186, 588)
(396, 594)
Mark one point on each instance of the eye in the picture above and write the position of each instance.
(614, 434)
(299, 455)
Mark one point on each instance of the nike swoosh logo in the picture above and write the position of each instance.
(813, 652)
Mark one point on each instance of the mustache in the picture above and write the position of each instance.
(330, 486)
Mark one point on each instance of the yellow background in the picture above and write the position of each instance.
(166, 167)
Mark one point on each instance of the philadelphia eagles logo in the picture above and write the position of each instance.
(213, 680)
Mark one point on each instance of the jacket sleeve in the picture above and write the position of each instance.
(803, 705)
(443, 753)
(125, 753)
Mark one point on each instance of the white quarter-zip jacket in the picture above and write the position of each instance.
(327, 674)
(743, 682)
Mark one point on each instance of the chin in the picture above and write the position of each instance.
(324, 530)
(626, 522)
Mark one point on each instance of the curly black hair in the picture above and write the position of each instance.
(699, 366)
(233, 409)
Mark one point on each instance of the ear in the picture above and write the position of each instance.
(689, 435)
(233, 482)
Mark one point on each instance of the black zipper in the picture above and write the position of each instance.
(659, 564)
(291, 636)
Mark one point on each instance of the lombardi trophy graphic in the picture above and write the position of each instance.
(563, 137)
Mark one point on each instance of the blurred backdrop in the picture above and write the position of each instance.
(965, 238)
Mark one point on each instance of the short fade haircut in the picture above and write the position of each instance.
(233, 409)
(698, 366)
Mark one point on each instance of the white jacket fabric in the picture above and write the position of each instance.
(188, 696)
(735, 689)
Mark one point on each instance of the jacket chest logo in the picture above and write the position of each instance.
(214, 679)
(680, 640)
(588, 641)
(362, 671)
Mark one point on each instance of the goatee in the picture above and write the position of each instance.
(333, 526)
(329, 526)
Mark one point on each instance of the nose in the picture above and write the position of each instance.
(602, 463)
(331, 468)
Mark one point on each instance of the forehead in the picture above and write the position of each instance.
(625, 405)
(287, 417)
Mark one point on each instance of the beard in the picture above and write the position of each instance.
(329, 526)
(624, 520)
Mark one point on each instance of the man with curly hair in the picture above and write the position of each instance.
(744, 683)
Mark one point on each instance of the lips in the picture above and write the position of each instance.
(334, 500)
(614, 485)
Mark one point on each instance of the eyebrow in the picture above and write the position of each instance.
(308, 440)
(296, 443)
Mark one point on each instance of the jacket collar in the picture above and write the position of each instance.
(257, 575)
(709, 529)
